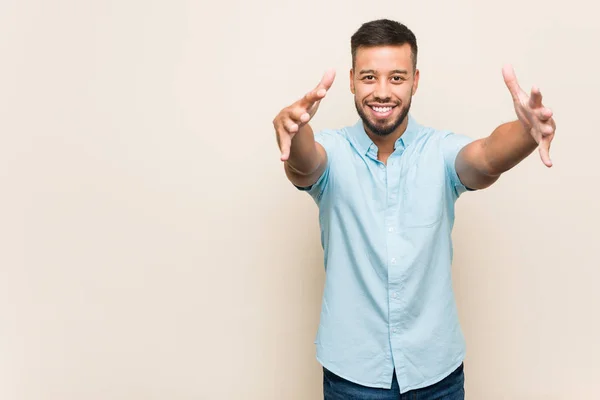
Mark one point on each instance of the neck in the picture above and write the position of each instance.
(386, 143)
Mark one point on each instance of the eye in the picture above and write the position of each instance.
(397, 79)
(368, 78)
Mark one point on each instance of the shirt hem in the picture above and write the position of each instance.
(436, 379)
(359, 382)
(420, 385)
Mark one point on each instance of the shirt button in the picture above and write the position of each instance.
(381, 166)
(393, 260)
(396, 295)
(391, 229)
(394, 330)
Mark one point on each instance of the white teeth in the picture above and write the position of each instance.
(382, 109)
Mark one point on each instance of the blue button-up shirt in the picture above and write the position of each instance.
(388, 300)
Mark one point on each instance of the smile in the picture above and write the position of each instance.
(382, 111)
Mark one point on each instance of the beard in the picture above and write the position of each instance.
(387, 127)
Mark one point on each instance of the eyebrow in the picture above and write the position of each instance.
(395, 71)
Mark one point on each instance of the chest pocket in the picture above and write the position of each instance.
(423, 195)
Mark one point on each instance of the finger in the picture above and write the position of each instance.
(327, 79)
(283, 136)
(510, 79)
(305, 117)
(285, 141)
(548, 128)
(291, 126)
(285, 124)
(319, 92)
(544, 114)
(313, 109)
(300, 115)
(312, 97)
(535, 99)
(545, 152)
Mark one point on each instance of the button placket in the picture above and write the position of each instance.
(394, 242)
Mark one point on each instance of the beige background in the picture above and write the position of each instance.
(151, 247)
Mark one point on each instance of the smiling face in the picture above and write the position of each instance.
(383, 81)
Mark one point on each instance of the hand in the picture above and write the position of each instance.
(289, 120)
(536, 118)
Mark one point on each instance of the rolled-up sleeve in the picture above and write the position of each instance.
(452, 144)
(329, 140)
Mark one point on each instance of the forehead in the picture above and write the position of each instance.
(384, 58)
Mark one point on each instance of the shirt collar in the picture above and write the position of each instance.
(365, 144)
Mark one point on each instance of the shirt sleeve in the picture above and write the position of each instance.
(452, 143)
(328, 139)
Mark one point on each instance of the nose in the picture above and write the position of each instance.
(383, 91)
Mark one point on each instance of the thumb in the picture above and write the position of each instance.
(510, 79)
(312, 110)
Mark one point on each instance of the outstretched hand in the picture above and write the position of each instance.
(289, 120)
(532, 113)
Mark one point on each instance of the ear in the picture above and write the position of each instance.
(415, 81)
(352, 81)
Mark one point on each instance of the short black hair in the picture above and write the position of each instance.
(383, 32)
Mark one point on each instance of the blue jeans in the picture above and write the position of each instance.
(450, 388)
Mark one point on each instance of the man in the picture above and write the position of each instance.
(386, 189)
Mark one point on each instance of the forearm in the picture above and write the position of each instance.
(507, 146)
(305, 157)
(480, 163)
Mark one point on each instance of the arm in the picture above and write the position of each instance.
(304, 159)
(480, 163)
(307, 158)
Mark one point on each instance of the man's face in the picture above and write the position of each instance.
(383, 82)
